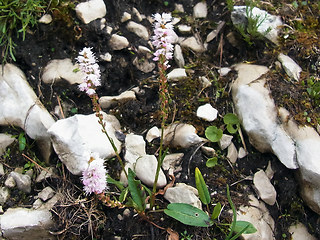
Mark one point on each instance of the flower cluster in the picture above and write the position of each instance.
(87, 64)
(94, 177)
(163, 38)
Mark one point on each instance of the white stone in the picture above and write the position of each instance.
(200, 10)
(5, 141)
(213, 34)
(138, 29)
(145, 169)
(143, 64)
(23, 223)
(193, 44)
(125, 17)
(23, 181)
(1, 170)
(135, 148)
(205, 82)
(49, 204)
(44, 174)
(37, 204)
(178, 8)
(171, 161)
(207, 112)
(291, 67)
(76, 137)
(178, 56)
(300, 232)
(91, 10)
(111, 101)
(208, 151)
(153, 133)
(59, 69)
(224, 71)
(182, 193)
(145, 51)
(46, 194)
(118, 42)
(137, 14)
(269, 171)
(258, 114)
(225, 141)
(46, 19)
(242, 153)
(257, 214)
(265, 189)
(10, 182)
(177, 74)
(232, 154)
(106, 57)
(4, 195)
(184, 29)
(181, 135)
(266, 20)
(20, 107)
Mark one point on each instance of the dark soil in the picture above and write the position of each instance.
(66, 36)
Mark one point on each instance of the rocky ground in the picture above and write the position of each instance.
(210, 44)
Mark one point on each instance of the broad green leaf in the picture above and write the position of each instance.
(137, 194)
(244, 224)
(188, 214)
(230, 118)
(22, 141)
(231, 129)
(216, 211)
(213, 133)
(211, 162)
(202, 187)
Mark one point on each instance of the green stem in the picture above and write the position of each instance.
(233, 224)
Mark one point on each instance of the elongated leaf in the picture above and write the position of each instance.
(202, 187)
(188, 214)
(216, 211)
(115, 182)
(213, 133)
(244, 224)
(123, 195)
(22, 142)
(136, 193)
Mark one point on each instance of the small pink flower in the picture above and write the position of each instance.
(94, 177)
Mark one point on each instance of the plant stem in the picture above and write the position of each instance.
(233, 224)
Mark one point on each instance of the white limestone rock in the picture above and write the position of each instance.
(23, 223)
(171, 161)
(265, 189)
(207, 112)
(193, 44)
(2, 172)
(145, 169)
(232, 154)
(258, 114)
(137, 14)
(5, 141)
(107, 102)
(59, 69)
(125, 17)
(224, 71)
(4, 195)
(46, 19)
(259, 216)
(242, 153)
(138, 29)
(183, 193)
(184, 29)
(135, 148)
(178, 8)
(118, 42)
(225, 141)
(291, 67)
(20, 107)
(181, 135)
(76, 137)
(213, 34)
(153, 133)
(178, 56)
(200, 10)
(44, 174)
(10, 182)
(205, 82)
(300, 232)
(144, 65)
(145, 51)
(269, 24)
(106, 57)
(177, 74)
(23, 181)
(46, 194)
(91, 10)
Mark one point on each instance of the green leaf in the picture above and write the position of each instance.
(188, 214)
(123, 195)
(136, 193)
(244, 224)
(213, 133)
(211, 162)
(22, 142)
(202, 187)
(115, 182)
(230, 118)
(216, 211)
(231, 129)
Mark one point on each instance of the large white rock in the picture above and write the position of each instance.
(259, 216)
(59, 69)
(76, 137)
(145, 169)
(23, 223)
(269, 24)
(21, 107)
(91, 10)
(118, 42)
(291, 67)
(265, 189)
(258, 114)
(181, 135)
(138, 29)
